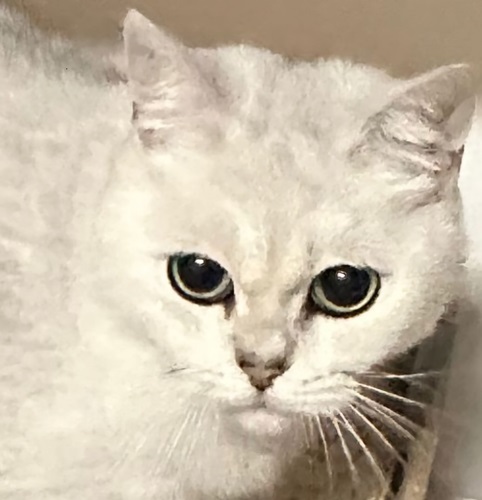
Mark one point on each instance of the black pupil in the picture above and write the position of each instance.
(345, 286)
(199, 274)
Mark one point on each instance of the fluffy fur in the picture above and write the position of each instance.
(114, 387)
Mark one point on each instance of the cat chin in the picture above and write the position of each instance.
(260, 423)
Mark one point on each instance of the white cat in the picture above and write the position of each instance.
(200, 266)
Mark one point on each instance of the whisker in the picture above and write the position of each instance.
(194, 431)
(379, 434)
(127, 452)
(366, 451)
(216, 426)
(392, 395)
(308, 435)
(144, 439)
(171, 446)
(117, 464)
(391, 415)
(354, 472)
(329, 467)
(402, 376)
(306, 427)
(418, 381)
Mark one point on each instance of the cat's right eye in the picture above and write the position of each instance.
(199, 279)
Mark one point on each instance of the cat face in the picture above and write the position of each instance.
(275, 229)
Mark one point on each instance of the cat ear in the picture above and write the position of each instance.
(426, 122)
(172, 100)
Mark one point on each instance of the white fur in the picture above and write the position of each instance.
(274, 169)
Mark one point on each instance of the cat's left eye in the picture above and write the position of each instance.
(344, 290)
(199, 279)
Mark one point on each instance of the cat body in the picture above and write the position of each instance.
(114, 386)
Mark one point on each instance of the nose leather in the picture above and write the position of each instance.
(261, 373)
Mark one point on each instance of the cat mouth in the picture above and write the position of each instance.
(259, 403)
(258, 419)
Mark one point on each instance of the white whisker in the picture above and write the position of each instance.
(393, 395)
(375, 466)
(391, 416)
(124, 453)
(127, 451)
(306, 431)
(378, 433)
(198, 421)
(354, 473)
(329, 468)
(407, 376)
(172, 445)
(412, 381)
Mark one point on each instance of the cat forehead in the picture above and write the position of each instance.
(282, 161)
(287, 125)
(268, 96)
(267, 219)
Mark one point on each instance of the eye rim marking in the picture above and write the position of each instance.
(315, 306)
(226, 286)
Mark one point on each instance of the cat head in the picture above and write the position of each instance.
(276, 228)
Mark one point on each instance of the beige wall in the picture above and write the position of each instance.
(402, 35)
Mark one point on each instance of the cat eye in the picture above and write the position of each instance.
(344, 290)
(199, 279)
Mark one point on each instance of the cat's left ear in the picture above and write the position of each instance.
(172, 99)
(426, 122)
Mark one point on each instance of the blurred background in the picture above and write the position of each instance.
(404, 36)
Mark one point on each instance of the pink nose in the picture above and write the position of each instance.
(261, 373)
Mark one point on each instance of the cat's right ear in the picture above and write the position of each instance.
(417, 138)
(172, 100)
(426, 122)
